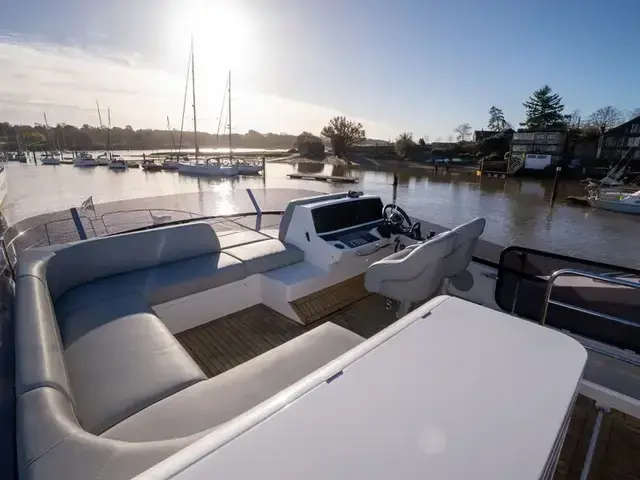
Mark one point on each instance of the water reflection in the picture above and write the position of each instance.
(517, 210)
(310, 168)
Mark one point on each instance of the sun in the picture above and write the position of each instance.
(221, 32)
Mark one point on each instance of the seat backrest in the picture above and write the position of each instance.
(89, 260)
(413, 274)
(467, 236)
(288, 213)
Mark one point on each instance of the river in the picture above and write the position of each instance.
(517, 210)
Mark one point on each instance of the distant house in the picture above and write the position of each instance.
(443, 145)
(618, 140)
(480, 135)
(541, 143)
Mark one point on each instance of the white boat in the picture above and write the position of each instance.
(47, 159)
(3, 183)
(102, 159)
(208, 168)
(245, 168)
(623, 203)
(241, 352)
(84, 160)
(116, 162)
(172, 162)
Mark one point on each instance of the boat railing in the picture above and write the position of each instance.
(113, 218)
(145, 217)
(604, 278)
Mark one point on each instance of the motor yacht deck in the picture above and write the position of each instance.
(333, 337)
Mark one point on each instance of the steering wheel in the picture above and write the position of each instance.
(397, 217)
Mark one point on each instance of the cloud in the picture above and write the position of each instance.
(65, 81)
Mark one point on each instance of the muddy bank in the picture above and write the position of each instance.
(363, 162)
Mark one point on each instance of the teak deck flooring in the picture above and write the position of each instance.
(229, 341)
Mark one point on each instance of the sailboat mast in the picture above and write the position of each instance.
(46, 125)
(193, 89)
(109, 131)
(229, 95)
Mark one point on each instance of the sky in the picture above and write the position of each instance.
(418, 66)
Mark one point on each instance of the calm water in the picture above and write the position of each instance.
(517, 211)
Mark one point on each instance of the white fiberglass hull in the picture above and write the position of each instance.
(616, 205)
(3, 183)
(208, 170)
(50, 161)
(118, 165)
(249, 169)
(84, 162)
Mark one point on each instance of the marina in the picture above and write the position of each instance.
(517, 210)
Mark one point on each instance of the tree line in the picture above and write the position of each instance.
(69, 137)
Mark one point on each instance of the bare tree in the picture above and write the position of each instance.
(463, 132)
(449, 138)
(605, 117)
(574, 120)
(633, 113)
(343, 133)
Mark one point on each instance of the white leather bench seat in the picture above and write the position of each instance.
(237, 390)
(121, 358)
(103, 389)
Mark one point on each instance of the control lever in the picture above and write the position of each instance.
(432, 233)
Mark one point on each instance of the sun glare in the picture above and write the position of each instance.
(221, 33)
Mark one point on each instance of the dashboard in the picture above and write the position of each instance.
(348, 224)
(335, 228)
(340, 216)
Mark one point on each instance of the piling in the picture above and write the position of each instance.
(555, 186)
(264, 166)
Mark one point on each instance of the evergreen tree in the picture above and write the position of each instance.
(544, 109)
(497, 123)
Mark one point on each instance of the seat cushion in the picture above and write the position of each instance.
(120, 359)
(39, 351)
(240, 238)
(267, 255)
(103, 257)
(221, 398)
(157, 284)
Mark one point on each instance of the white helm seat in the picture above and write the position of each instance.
(466, 238)
(411, 275)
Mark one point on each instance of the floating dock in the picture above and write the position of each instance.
(322, 178)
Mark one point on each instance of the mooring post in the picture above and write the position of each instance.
(76, 219)
(555, 185)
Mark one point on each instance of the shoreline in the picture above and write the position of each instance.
(364, 163)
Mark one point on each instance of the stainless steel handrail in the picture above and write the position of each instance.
(566, 272)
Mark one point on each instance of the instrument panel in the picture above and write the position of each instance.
(346, 215)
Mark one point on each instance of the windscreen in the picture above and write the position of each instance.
(347, 214)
